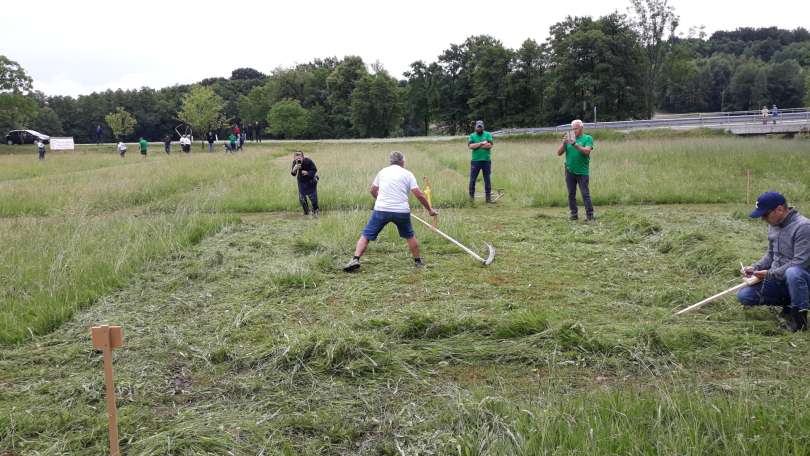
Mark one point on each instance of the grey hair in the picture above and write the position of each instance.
(577, 123)
(396, 158)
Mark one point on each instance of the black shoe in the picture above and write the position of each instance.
(352, 265)
(800, 317)
(796, 320)
(589, 218)
(573, 217)
(418, 263)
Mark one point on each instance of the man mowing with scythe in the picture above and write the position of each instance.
(390, 190)
(785, 269)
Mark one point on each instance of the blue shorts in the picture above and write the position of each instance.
(379, 219)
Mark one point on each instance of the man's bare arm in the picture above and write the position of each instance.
(586, 151)
(561, 149)
(421, 197)
(374, 190)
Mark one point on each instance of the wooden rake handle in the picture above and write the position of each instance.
(747, 282)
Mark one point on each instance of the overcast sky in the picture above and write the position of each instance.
(78, 47)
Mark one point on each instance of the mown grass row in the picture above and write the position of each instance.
(252, 342)
(43, 202)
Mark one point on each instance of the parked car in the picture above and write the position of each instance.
(26, 137)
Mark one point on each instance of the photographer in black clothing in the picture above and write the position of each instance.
(306, 172)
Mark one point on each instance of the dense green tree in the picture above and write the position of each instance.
(16, 108)
(748, 88)
(121, 123)
(489, 69)
(375, 106)
(785, 84)
(655, 22)
(47, 121)
(246, 74)
(595, 63)
(455, 87)
(203, 110)
(341, 82)
(288, 119)
(525, 86)
(800, 52)
(684, 84)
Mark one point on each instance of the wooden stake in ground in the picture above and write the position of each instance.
(747, 282)
(105, 338)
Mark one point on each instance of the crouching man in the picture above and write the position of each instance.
(390, 190)
(785, 269)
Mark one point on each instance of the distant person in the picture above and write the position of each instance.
(480, 143)
(577, 152)
(232, 141)
(99, 132)
(122, 149)
(765, 114)
(242, 137)
(257, 133)
(305, 171)
(41, 149)
(143, 146)
(774, 114)
(785, 267)
(185, 143)
(167, 144)
(390, 190)
(236, 130)
(211, 137)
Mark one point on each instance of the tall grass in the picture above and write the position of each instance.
(57, 265)
(634, 421)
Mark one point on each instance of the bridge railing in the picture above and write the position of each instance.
(711, 120)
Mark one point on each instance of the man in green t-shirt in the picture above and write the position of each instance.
(143, 145)
(577, 147)
(480, 143)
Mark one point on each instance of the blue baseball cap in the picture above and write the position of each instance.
(767, 202)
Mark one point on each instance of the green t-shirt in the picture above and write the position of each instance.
(143, 144)
(232, 138)
(575, 161)
(481, 154)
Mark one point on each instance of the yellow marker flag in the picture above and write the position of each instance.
(428, 192)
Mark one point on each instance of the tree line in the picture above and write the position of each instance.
(615, 67)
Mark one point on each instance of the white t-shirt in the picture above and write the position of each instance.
(185, 140)
(122, 146)
(395, 183)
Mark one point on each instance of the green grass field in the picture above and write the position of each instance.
(243, 337)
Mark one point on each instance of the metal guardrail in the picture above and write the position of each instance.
(695, 121)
